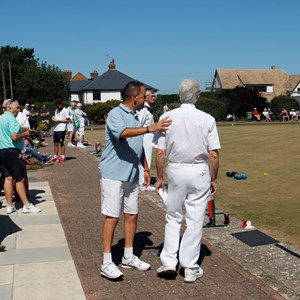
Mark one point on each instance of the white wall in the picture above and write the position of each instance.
(105, 96)
(74, 97)
(295, 94)
(217, 82)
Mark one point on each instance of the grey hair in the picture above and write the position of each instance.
(149, 92)
(11, 103)
(189, 90)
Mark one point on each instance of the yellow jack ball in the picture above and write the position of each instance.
(265, 174)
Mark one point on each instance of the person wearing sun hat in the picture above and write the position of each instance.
(26, 110)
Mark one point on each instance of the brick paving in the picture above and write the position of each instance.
(75, 188)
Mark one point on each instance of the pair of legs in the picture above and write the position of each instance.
(109, 226)
(70, 129)
(79, 136)
(116, 195)
(35, 154)
(189, 187)
(20, 188)
(59, 141)
(14, 169)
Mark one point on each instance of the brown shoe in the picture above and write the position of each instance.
(2, 247)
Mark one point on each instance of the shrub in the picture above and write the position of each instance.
(218, 108)
(97, 111)
(287, 102)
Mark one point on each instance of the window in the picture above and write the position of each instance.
(96, 96)
(261, 88)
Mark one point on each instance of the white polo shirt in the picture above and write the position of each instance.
(192, 134)
(22, 120)
(26, 112)
(145, 116)
(61, 115)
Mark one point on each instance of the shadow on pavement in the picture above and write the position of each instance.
(7, 227)
(141, 240)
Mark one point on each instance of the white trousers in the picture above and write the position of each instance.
(147, 144)
(189, 188)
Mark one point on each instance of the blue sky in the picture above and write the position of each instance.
(157, 42)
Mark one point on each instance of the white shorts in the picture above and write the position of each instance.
(80, 131)
(117, 196)
(70, 127)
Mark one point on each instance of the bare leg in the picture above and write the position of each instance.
(130, 224)
(8, 190)
(108, 231)
(56, 149)
(71, 134)
(20, 187)
(63, 149)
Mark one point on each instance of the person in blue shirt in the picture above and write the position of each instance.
(119, 176)
(13, 165)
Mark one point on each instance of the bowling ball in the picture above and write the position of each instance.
(237, 176)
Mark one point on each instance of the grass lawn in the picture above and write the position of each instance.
(271, 202)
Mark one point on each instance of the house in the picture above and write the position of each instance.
(268, 82)
(107, 86)
(293, 87)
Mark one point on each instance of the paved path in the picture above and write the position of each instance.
(75, 189)
(37, 263)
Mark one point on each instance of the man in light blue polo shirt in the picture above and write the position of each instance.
(11, 146)
(119, 175)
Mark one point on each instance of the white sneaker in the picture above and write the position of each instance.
(162, 270)
(31, 209)
(111, 271)
(80, 145)
(10, 209)
(71, 145)
(135, 263)
(191, 275)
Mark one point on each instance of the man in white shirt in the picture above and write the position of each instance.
(61, 119)
(145, 116)
(26, 110)
(191, 140)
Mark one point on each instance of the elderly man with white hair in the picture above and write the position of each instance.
(13, 165)
(191, 140)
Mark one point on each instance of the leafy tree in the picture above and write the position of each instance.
(215, 107)
(32, 81)
(236, 101)
(286, 102)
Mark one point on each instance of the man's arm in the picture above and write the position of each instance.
(214, 168)
(161, 125)
(19, 136)
(68, 120)
(160, 161)
(147, 177)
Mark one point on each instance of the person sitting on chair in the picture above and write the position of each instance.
(256, 114)
(284, 114)
(266, 114)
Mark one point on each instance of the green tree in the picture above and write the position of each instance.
(236, 101)
(286, 102)
(32, 81)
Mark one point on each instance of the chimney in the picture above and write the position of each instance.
(68, 74)
(112, 64)
(94, 74)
